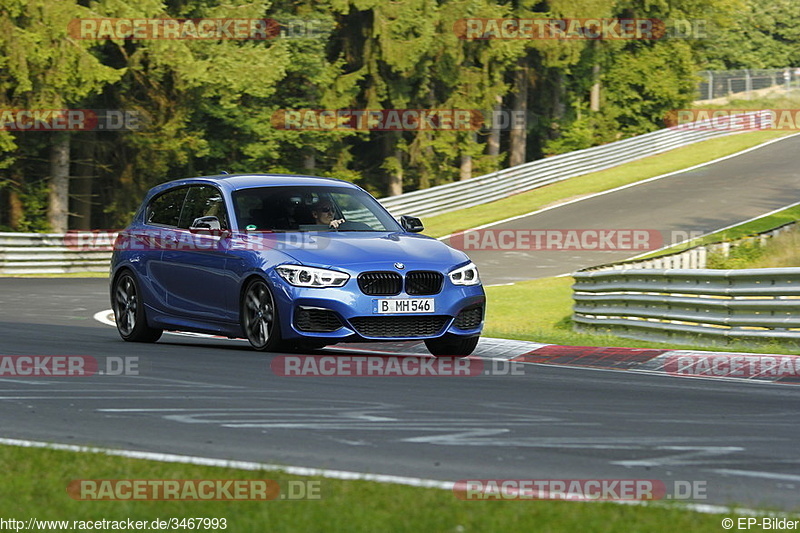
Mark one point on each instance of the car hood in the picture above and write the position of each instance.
(343, 249)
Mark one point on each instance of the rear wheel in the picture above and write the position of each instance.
(129, 311)
(260, 317)
(452, 345)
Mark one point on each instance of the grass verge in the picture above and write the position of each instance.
(547, 305)
(595, 182)
(35, 482)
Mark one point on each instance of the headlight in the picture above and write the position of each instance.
(466, 275)
(303, 276)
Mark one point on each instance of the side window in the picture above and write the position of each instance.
(353, 210)
(165, 210)
(203, 201)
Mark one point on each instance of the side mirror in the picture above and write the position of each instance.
(209, 223)
(411, 224)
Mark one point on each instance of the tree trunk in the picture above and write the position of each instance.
(493, 142)
(594, 95)
(81, 184)
(309, 160)
(394, 178)
(58, 200)
(519, 136)
(466, 159)
(558, 93)
(465, 171)
(16, 211)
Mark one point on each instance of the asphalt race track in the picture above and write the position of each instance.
(701, 201)
(217, 398)
(735, 440)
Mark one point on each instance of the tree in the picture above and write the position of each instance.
(47, 69)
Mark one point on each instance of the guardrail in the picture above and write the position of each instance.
(514, 180)
(51, 253)
(691, 306)
(696, 256)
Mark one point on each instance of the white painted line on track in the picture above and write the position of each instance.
(713, 232)
(763, 475)
(105, 317)
(654, 178)
(25, 382)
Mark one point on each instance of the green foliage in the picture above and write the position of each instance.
(777, 252)
(740, 256)
(762, 34)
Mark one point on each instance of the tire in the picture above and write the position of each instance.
(259, 318)
(126, 300)
(452, 345)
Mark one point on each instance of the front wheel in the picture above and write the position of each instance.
(129, 311)
(260, 317)
(452, 345)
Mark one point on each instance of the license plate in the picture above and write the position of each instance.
(405, 305)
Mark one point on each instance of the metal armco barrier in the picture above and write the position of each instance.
(514, 180)
(695, 306)
(51, 253)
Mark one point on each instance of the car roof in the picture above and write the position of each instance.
(234, 182)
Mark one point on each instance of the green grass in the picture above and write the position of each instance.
(595, 182)
(35, 481)
(540, 310)
(781, 251)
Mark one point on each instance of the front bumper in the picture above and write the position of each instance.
(344, 313)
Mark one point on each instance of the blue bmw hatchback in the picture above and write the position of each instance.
(289, 262)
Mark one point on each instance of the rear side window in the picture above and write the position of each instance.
(165, 209)
(203, 201)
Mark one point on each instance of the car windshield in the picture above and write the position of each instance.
(299, 208)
